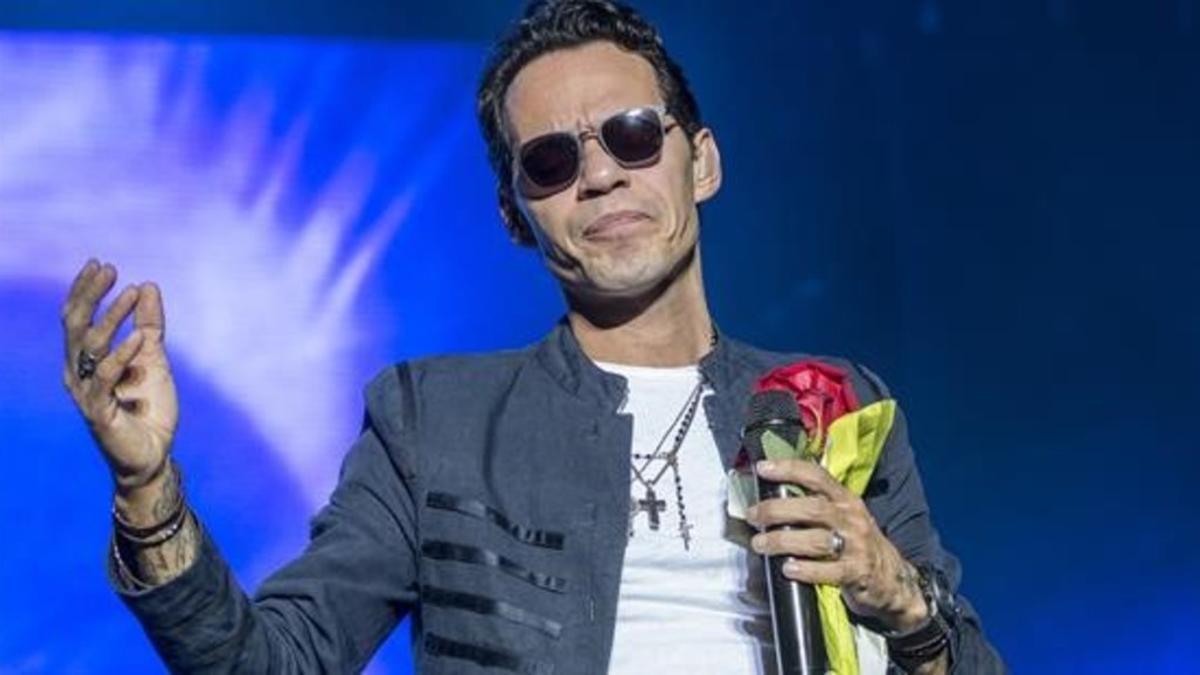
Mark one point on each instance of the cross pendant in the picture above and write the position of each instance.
(652, 505)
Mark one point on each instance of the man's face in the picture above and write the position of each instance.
(615, 231)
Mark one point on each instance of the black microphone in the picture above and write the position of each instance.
(799, 640)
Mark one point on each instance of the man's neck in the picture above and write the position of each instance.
(672, 328)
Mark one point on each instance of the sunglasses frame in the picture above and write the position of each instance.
(534, 190)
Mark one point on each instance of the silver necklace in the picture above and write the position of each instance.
(651, 504)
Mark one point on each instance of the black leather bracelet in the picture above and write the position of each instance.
(926, 642)
(158, 533)
(160, 536)
(911, 650)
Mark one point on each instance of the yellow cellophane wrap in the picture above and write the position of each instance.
(853, 444)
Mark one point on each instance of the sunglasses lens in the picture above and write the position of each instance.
(550, 161)
(633, 138)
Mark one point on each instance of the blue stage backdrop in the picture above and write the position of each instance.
(312, 210)
(993, 209)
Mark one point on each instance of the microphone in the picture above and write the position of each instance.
(799, 640)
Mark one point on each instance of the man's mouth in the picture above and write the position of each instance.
(615, 225)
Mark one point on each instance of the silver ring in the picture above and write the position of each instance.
(86, 364)
(837, 544)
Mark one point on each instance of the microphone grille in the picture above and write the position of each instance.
(772, 404)
(773, 409)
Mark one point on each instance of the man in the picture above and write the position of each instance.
(558, 507)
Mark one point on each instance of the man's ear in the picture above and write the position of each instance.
(518, 229)
(706, 166)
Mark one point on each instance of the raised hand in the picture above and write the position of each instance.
(126, 394)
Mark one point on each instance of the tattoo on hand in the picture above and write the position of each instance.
(907, 577)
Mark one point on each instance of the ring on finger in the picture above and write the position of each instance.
(837, 544)
(85, 364)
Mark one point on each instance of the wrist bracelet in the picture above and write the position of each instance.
(935, 635)
(124, 574)
(165, 533)
(158, 533)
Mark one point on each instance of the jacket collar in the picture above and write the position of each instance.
(563, 358)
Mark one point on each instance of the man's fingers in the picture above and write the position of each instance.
(98, 339)
(810, 542)
(149, 315)
(81, 305)
(809, 475)
(96, 396)
(792, 510)
(109, 372)
(94, 288)
(89, 268)
(132, 376)
(81, 279)
(830, 572)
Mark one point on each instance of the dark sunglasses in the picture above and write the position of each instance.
(551, 162)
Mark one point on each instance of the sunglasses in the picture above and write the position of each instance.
(551, 162)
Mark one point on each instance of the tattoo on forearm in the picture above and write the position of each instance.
(156, 565)
(185, 552)
(168, 499)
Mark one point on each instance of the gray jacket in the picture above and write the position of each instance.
(488, 497)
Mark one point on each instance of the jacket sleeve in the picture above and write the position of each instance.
(329, 609)
(896, 499)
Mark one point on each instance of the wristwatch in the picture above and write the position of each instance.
(924, 643)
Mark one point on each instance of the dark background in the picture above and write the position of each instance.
(992, 204)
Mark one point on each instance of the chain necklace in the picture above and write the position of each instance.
(651, 504)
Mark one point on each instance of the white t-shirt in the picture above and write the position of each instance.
(704, 608)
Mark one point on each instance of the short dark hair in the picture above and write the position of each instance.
(549, 25)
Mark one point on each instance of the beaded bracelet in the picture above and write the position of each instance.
(124, 574)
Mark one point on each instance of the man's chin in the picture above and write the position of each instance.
(619, 289)
(618, 285)
(623, 280)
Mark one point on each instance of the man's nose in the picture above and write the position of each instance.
(599, 173)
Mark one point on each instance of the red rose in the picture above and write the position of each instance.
(823, 392)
